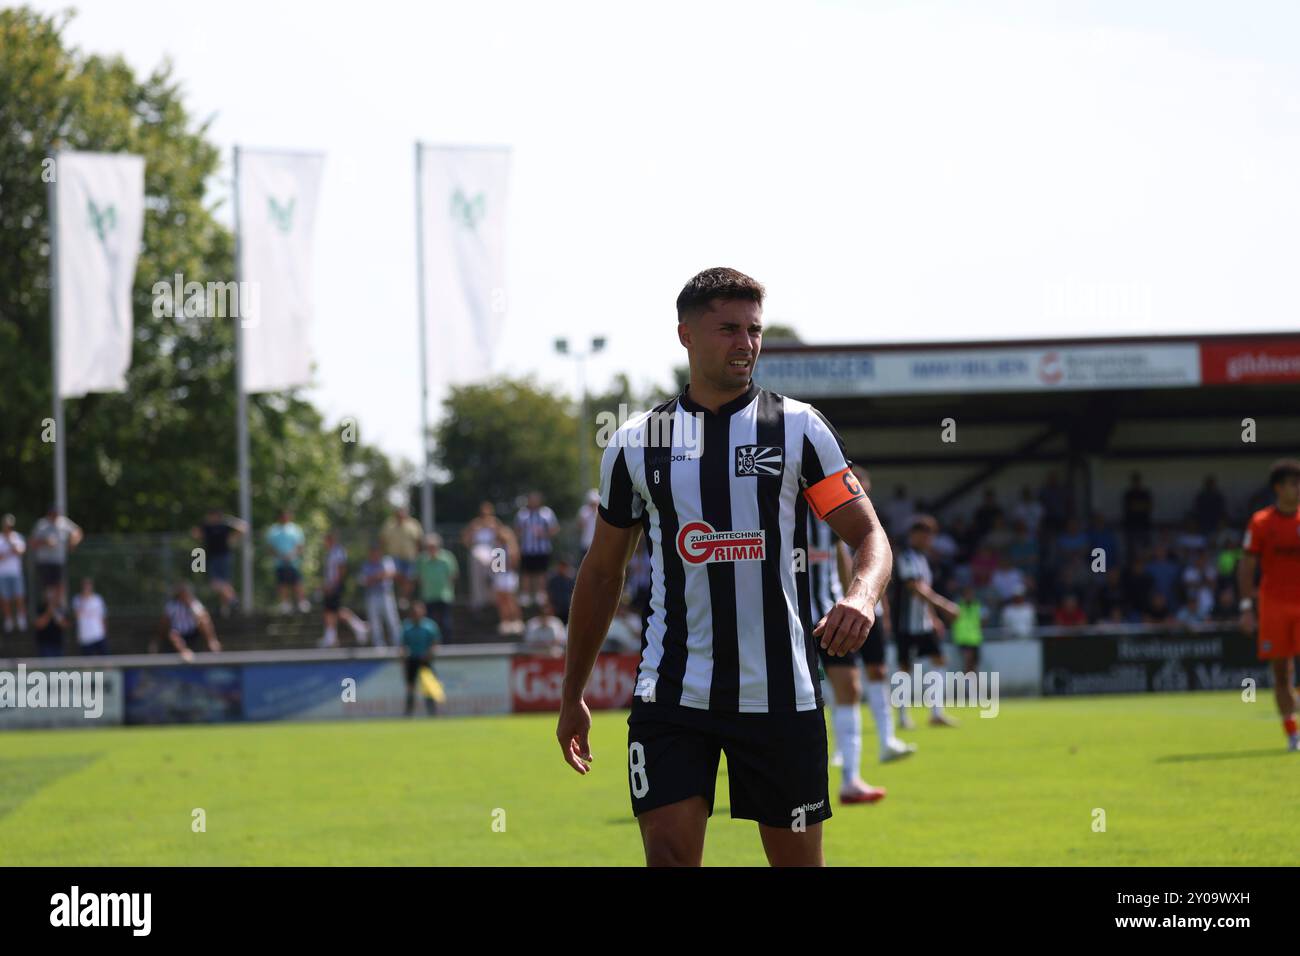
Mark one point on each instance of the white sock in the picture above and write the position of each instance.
(847, 720)
(937, 709)
(881, 712)
(331, 637)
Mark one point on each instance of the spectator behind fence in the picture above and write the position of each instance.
(377, 576)
(286, 541)
(1069, 613)
(1028, 511)
(92, 619)
(334, 583)
(536, 526)
(482, 537)
(545, 633)
(52, 539)
(13, 603)
(402, 538)
(968, 628)
(559, 588)
(1138, 510)
(1210, 507)
(437, 570)
(624, 635)
(218, 533)
(50, 624)
(188, 623)
(1018, 616)
(587, 516)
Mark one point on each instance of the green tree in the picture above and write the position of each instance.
(154, 457)
(501, 439)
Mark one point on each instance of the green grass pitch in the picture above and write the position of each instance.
(1184, 779)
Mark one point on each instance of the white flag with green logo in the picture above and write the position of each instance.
(463, 204)
(99, 207)
(277, 215)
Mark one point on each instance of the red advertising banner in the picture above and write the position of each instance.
(535, 682)
(1240, 363)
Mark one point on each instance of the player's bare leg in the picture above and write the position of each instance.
(1285, 695)
(786, 846)
(846, 717)
(673, 835)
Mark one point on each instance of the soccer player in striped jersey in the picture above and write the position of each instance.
(915, 606)
(719, 480)
(1273, 545)
(829, 564)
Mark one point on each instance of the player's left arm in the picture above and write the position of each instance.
(845, 627)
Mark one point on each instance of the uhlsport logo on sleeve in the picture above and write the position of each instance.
(758, 460)
(698, 543)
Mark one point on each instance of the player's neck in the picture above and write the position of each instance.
(702, 393)
(1276, 504)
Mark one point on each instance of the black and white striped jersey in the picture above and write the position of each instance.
(534, 526)
(723, 501)
(823, 568)
(911, 613)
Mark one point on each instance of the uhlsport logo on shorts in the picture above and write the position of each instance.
(698, 543)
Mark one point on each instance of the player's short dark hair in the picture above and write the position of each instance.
(1282, 469)
(697, 296)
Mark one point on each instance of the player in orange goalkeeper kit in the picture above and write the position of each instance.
(1273, 543)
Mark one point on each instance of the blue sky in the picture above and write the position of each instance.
(891, 171)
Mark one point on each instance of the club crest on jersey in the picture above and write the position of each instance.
(698, 543)
(755, 460)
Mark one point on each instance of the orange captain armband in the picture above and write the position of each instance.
(833, 492)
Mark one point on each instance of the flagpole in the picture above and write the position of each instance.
(241, 426)
(426, 486)
(60, 458)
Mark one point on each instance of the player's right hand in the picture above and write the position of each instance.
(1248, 621)
(573, 730)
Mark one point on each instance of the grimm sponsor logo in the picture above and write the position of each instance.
(102, 909)
(755, 460)
(698, 543)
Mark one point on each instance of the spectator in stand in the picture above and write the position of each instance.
(335, 581)
(982, 565)
(92, 620)
(638, 577)
(1190, 541)
(968, 629)
(1226, 610)
(1138, 513)
(1028, 511)
(1023, 549)
(483, 538)
(1076, 577)
(401, 537)
(898, 511)
(999, 536)
(1157, 612)
(50, 624)
(545, 633)
(286, 541)
(1006, 579)
(1210, 507)
(218, 533)
(377, 575)
(1200, 582)
(187, 622)
(624, 635)
(1056, 506)
(51, 541)
(1227, 545)
(1069, 613)
(1109, 597)
(419, 635)
(505, 584)
(559, 588)
(988, 512)
(1100, 536)
(587, 516)
(1138, 587)
(1071, 543)
(1018, 616)
(437, 570)
(1165, 575)
(536, 527)
(1114, 620)
(12, 587)
(945, 548)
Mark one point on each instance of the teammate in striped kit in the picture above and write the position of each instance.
(720, 480)
(828, 565)
(915, 604)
